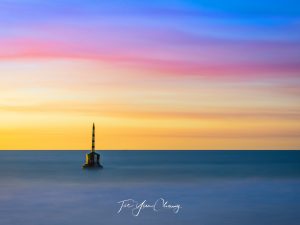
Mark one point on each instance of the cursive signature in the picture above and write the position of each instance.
(136, 207)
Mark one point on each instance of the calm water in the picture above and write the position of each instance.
(212, 187)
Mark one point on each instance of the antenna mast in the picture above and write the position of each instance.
(93, 138)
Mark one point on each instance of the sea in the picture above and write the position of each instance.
(150, 187)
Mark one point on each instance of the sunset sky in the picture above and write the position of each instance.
(159, 74)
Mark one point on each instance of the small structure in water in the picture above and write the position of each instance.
(92, 159)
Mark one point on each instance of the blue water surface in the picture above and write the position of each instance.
(212, 187)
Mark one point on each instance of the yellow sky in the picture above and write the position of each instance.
(51, 104)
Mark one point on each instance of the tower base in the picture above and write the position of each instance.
(92, 160)
(96, 166)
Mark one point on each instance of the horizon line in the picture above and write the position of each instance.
(151, 150)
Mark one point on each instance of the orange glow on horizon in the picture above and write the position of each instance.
(52, 104)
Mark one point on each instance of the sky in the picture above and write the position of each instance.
(159, 74)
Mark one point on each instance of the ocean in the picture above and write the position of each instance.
(150, 187)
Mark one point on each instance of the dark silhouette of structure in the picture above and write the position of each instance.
(92, 159)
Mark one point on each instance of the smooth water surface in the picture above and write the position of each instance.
(212, 187)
